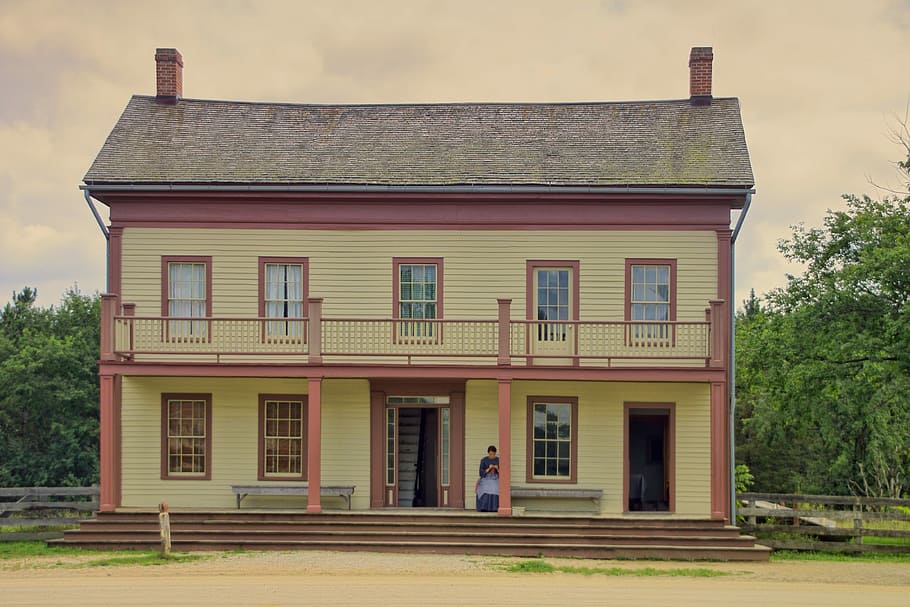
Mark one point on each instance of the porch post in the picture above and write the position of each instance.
(719, 467)
(505, 447)
(314, 330)
(718, 331)
(314, 444)
(108, 311)
(108, 448)
(505, 333)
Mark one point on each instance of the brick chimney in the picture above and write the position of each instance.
(169, 69)
(700, 60)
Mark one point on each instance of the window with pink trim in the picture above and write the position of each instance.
(282, 296)
(282, 437)
(417, 291)
(186, 294)
(651, 298)
(186, 436)
(552, 439)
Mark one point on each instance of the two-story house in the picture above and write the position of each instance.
(368, 296)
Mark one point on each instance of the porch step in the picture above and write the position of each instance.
(588, 537)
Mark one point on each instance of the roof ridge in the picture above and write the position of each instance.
(436, 103)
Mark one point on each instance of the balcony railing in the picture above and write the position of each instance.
(500, 341)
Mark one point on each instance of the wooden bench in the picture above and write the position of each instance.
(559, 493)
(241, 491)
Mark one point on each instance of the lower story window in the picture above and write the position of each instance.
(282, 422)
(186, 434)
(552, 440)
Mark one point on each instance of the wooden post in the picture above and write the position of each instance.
(858, 523)
(505, 447)
(314, 444)
(314, 321)
(505, 332)
(108, 311)
(108, 437)
(718, 330)
(164, 523)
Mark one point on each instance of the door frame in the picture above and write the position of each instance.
(379, 391)
(629, 409)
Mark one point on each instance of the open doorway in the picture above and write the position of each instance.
(418, 451)
(649, 461)
(418, 457)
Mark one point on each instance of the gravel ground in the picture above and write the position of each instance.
(316, 578)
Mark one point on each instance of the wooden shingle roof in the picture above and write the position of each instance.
(648, 143)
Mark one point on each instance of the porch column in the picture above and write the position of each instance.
(504, 354)
(108, 465)
(109, 309)
(314, 444)
(719, 453)
(314, 330)
(720, 326)
(505, 447)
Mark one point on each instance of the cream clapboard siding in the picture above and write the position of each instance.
(352, 270)
(345, 440)
(600, 438)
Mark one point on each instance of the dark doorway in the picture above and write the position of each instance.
(649, 459)
(418, 457)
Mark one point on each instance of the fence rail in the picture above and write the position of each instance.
(831, 523)
(19, 507)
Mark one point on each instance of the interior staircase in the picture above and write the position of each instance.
(408, 431)
(425, 531)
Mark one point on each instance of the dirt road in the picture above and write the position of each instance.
(324, 578)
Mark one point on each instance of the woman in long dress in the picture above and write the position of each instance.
(488, 484)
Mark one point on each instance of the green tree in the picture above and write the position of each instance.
(823, 365)
(49, 391)
(823, 371)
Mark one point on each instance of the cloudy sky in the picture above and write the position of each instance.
(819, 83)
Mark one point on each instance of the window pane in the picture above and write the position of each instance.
(542, 279)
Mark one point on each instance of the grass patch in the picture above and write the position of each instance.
(92, 558)
(16, 550)
(535, 566)
(142, 559)
(36, 528)
(865, 557)
(540, 566)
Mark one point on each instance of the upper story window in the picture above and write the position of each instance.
(186, 294)
(282, 295)
(552, 303)
(651, 296)
(418, 295)
(186, 436)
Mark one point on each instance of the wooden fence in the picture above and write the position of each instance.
(786, 521)
(30, 507)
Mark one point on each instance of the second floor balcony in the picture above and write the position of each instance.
(503, 341)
